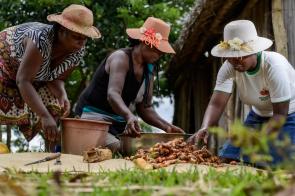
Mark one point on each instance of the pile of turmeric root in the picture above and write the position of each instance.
(172, 152)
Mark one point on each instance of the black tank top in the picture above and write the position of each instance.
(95, 94)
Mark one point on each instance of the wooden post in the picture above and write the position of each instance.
(279, 28)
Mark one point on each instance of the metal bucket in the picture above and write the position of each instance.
(79, 135)
(130, 145)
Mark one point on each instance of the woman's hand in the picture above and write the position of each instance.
(212, 115)
(65, 105)
(132, 128)
(49, 128)
(173, 129)
(58, 90)
(201, 135)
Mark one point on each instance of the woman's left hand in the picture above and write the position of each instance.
(65, 105)
(173, 129)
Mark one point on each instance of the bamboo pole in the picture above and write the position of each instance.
(279, 28)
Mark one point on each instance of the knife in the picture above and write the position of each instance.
(48, 158)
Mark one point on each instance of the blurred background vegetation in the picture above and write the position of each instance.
(111, 17)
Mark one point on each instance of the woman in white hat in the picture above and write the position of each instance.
(120, 79)
(265, 80)
(35, 58)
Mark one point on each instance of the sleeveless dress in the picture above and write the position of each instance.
(13, 109)
(94, 98)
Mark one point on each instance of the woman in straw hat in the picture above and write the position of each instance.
(265, 80)
(121, 78)
(35, 58)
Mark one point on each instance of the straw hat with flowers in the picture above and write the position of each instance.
(240, 39)
(154, 32)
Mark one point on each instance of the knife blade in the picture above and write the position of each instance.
(48, 158)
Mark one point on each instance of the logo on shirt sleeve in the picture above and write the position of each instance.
(264, 95)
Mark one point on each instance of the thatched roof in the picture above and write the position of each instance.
(202, 31)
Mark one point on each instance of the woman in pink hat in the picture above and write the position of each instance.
(124, 77)
(35, 58)
(265, 80)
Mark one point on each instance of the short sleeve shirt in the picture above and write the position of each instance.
(273, 82)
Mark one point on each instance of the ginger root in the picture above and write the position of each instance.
(96, 155)
(142, 164)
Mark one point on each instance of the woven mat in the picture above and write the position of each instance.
(74, 163)
(70, 163)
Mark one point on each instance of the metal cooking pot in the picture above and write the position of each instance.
(130, 145)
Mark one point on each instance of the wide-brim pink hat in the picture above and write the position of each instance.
(154, 32)
(76, 18)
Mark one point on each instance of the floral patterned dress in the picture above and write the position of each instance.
(13, 109)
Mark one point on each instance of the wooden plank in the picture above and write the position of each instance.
(279, 28)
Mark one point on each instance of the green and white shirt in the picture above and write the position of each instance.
(272, 81)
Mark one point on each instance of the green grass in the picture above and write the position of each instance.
(138, 182)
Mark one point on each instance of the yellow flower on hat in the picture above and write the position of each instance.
(223, 45)
(235, 44)
(240, 39)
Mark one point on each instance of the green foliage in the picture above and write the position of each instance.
(254, 143)
(112, 17)
(242, 183)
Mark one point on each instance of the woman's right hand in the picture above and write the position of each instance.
(50, 129)
(132, 127)
(201, 135)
